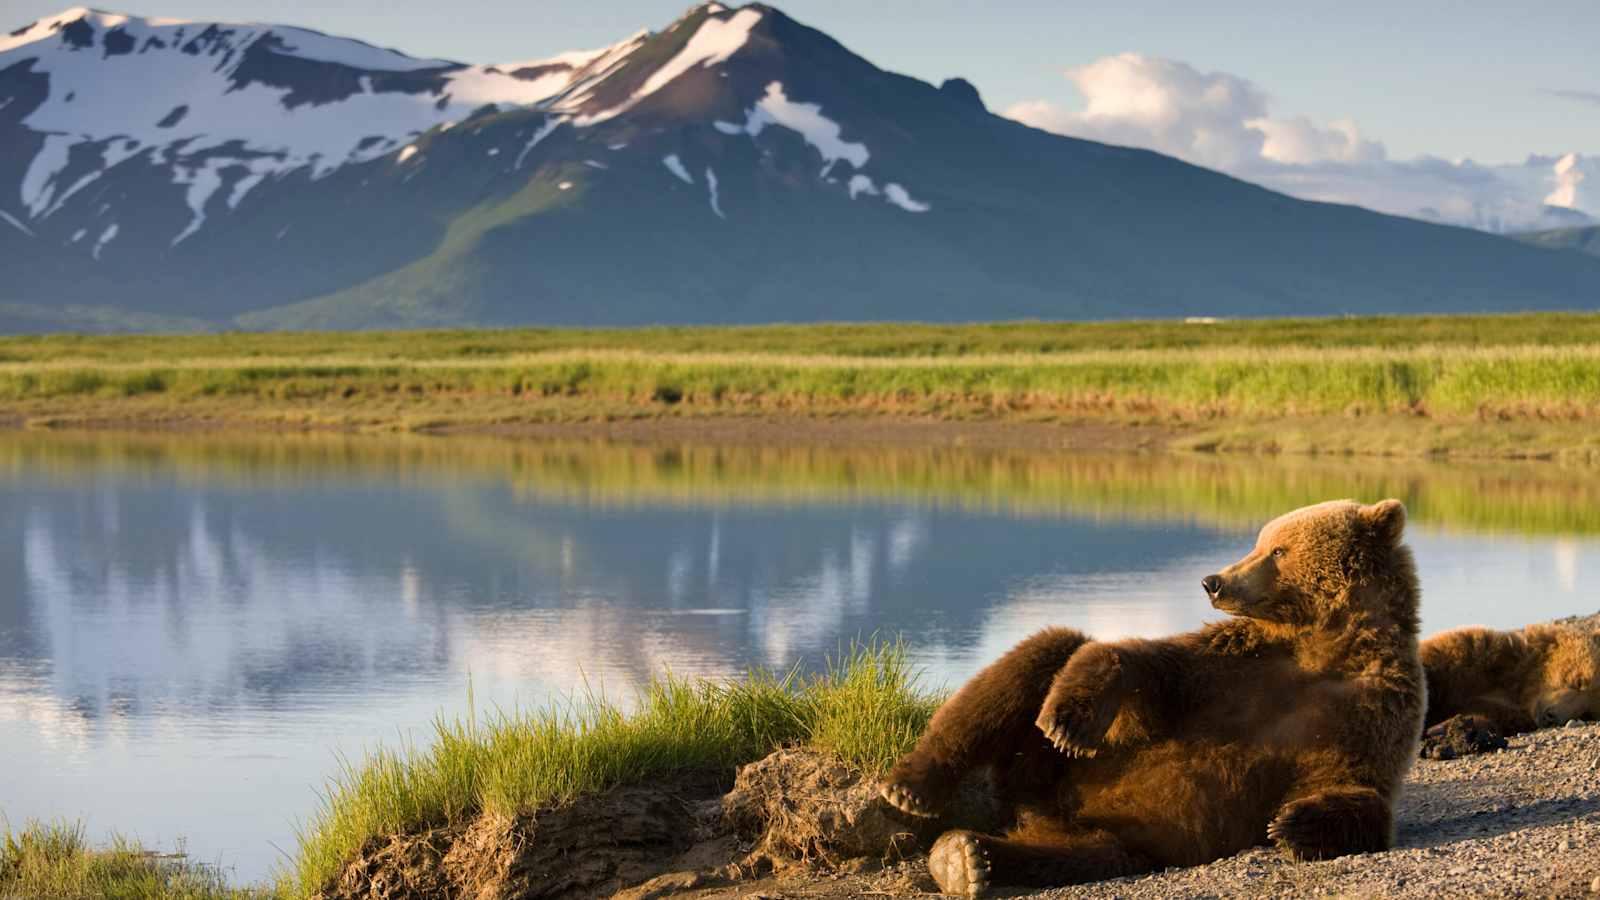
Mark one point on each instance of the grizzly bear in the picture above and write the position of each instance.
(1294, 722)
(1511, 681)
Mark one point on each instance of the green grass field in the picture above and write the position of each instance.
(1212, 381)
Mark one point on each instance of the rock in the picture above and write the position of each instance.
(1594, 886)
(962, 89)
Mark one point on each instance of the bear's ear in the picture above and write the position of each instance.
(1386, 518)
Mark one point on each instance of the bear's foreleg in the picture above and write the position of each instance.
(1036, 855)
(1097, 685)
(1333, 822)
(989, 719)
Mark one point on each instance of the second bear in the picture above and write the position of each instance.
(1512, 681)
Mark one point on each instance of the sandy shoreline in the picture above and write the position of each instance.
(1393, 437)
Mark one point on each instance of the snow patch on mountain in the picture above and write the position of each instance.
(356, 54)
(12, 221)
(543, 131)
(862, 184)
(821, 132)
(675, 166)
(38, 181)
(406, 153)
(715, 41)
(103, 240)
(711, 186)
(900, 197)
(203, 181)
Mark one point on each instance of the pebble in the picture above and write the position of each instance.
(1594, 886)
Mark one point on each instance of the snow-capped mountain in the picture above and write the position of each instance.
(221, 108)
(735, 166)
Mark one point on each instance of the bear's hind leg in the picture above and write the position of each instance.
(987, 720)
(1333, 822)
(1036, 855)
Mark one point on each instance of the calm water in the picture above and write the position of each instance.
(191, 628)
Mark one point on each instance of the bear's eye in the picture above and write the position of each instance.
(1279, 552)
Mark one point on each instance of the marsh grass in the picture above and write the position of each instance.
(898, 339)
(1205, 383)
(56, 862)
(865, 707)
(1527, 368)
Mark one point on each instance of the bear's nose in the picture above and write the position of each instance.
(1211, 583)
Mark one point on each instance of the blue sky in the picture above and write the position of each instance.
(1451, 79)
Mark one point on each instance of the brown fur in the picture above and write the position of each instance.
(1294, 722)
(1516, 681)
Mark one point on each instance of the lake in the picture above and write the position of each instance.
(193, 627)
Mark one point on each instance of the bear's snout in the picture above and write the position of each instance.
(1212, 584)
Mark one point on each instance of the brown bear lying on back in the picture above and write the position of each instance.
(1508, 682)
(1294, 722)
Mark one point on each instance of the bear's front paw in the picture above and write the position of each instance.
(960, 864)
(1075, 724)
(1083, 702)
(1461, 736)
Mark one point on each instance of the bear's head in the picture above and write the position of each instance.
(1568, 686)
(1321, 561)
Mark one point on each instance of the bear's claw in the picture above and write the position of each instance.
(904, 799)
(960, 864)
(1058, 738)
(1280, 836)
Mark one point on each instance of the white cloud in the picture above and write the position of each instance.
(1223, 121)
(1162, 104)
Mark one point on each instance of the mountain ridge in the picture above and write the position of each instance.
(735, 166)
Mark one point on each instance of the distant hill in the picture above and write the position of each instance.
(736, 166)
(1583, 240)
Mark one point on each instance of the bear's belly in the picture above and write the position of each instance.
(1181, 803)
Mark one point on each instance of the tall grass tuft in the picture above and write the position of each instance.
(56, 862)
(865, 707)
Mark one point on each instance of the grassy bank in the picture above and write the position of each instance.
(1491, 386)
(57, 862)
(866, 709)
